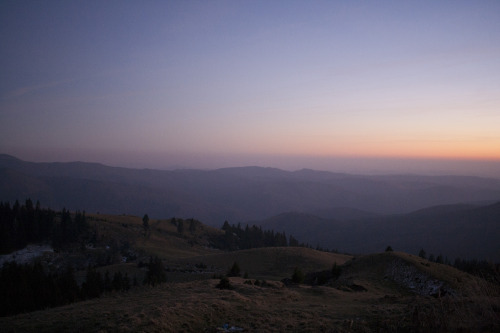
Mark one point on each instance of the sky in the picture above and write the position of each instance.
(352, 86)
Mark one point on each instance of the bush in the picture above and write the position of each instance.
(224, 283)
(298, 276)
(336, 270)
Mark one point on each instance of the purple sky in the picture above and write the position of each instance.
(361, 86)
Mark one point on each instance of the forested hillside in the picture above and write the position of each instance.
(84, 257)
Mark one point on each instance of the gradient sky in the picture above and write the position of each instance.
(323, 84)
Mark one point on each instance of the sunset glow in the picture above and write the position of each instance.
(143, 84)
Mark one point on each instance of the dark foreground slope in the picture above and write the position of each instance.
(385, 292)
(369, 296)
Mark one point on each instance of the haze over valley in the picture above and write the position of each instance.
(351, 213)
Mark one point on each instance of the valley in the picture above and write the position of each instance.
(452, 216)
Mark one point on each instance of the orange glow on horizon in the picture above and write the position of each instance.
(406, 150)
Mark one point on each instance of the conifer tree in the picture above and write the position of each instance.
(422, 254)
(180, 226)
(235, 270)
(145, 223)
(156, 272)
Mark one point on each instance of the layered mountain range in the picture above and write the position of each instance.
(354, 213)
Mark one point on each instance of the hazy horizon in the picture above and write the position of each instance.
(372, 87)
(360, 165)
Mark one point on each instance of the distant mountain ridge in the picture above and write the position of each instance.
(465, 231)
(234, 194)
(352, 213)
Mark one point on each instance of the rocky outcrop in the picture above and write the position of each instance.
(419, 282)
(26, 255)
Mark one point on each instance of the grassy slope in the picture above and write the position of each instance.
(197, 306)
(374, 270)
(274, 263)
(200, 307)
(163, 239)
(191, 248)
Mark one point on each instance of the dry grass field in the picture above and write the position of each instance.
(386, 292)
(273, 263)
(200, 307)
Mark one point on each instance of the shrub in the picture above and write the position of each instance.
(336, 270)
(297, 276)
(224, 283)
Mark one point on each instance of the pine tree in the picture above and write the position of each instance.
(192, 226)
(336, 270)
(156, 272)
(235, 270)
(180, 226)
(93, 285)
(68, 286)
(108, 286)
(117, 281)
(145, 224)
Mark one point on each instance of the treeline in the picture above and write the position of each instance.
(28, 287)
(25, 288)
(481, 268)
(29, 223)
(237, 238)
